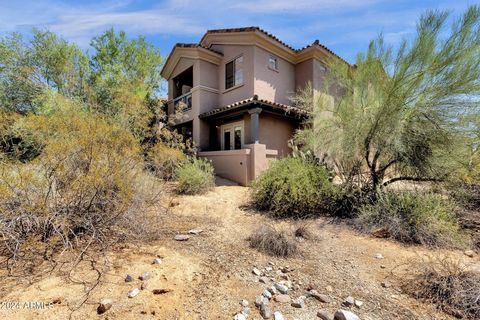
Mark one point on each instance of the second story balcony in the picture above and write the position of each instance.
(183, 103)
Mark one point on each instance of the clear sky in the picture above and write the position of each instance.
(345, 26)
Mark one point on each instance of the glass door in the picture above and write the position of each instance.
(232, 136)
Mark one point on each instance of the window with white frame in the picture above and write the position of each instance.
(234, 73)
(232, 136)
(273, 62)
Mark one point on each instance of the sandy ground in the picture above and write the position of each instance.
(211, 272)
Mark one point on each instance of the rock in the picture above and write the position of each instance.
(469, 253)
(283, 289)
(245, 311)
(285, 276)
(244, 303)
(329, 288)
(320, 297)
(161, 291)
(349, 301)
(157, 261)
(143, 286)
(299, 303)
(128, 278)
(358, 303)
(144, 276)
(263, 280)
(104, 306)
(267, 294)
(268, 269)
(277, 315)
(181, 237)
(282, 298)
(133, 293)
(378, 256)
(386, 284)
(272, 290)
(345, 315)
(324, 315)
(265, 311)
(256, 272)
(260, 300)
(195, 231)
(239, 316)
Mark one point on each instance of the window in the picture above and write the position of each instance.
(273, 62)
(232, 136)
(234, 73)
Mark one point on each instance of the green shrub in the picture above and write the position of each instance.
(164, 160)
(195, 177)
(413, 217)
(294, 187)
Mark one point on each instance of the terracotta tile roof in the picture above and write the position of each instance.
(250, 29)
(239, 104)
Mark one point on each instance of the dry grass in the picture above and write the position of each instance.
(303, 231)
(275, 242)
(447, 284)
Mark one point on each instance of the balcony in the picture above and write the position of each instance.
(183, 103)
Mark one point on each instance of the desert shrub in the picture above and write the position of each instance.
(293, 187)
(164, 160)
(447, 284)
(413, 217)
(195, 176)
(302, 231)
(87, 184)
(274, 242)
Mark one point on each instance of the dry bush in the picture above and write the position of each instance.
(87, 188)
(303, 231)
(275, 242)
(447, 284)
(164, 160)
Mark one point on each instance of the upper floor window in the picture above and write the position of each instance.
(234, 73)
(273, 62)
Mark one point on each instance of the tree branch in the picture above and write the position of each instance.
(406, 178)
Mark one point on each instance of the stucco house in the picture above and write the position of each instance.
(234, 89)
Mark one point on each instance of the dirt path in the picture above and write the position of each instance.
(211, 272)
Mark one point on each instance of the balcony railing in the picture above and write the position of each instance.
(183, 102)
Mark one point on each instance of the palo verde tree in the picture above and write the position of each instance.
(397, 116)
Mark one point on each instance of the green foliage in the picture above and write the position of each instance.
(394, 115)
(164, 160)
(195, 176)
(413, 217)
(294, 187)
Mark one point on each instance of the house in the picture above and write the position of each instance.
(231, 94)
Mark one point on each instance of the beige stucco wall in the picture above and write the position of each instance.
(275, 131)
(231, 164)
(273, 85)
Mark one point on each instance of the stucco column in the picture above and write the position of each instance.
(255, 124)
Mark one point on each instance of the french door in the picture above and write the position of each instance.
(232, 136)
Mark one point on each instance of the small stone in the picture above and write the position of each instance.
(263, 280)
(245, 311)
(157, 261)
(329, 288)
(345, 315)
(104, 306)
(239, 316)
(277, 315)
(143, 286)
(358, 303)
(272, 290)
(324, 315)
(195, 231)
(128, 278)
(378, 256)
(244, 303)
(161, 291)
(267, 294)
(349, 301)
(256, 272)
(265, 311)
(282, 298)
(469, 253)
(386, 284)
(320, 297)
(181, 237)
(144, 276)
(133, 293)
(382, 266)
(281, 288)
(260, 300)
(285, 277)
(268, 269)
(298, 303)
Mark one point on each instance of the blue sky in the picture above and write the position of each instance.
(345, 26)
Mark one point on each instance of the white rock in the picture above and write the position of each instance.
(267, 294)
(104, 306)
(195, 231)
(265, 311)
(256, 272)
(133, 293)
(277, 315)
(281, 288)
(345, 315)
(244, 303)
(358, 303)
(157, 261)
(469, 253)
(349, 301)
(245, 311)
(378, 256)
(239, 316)
(260, 300)
(181, 237)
